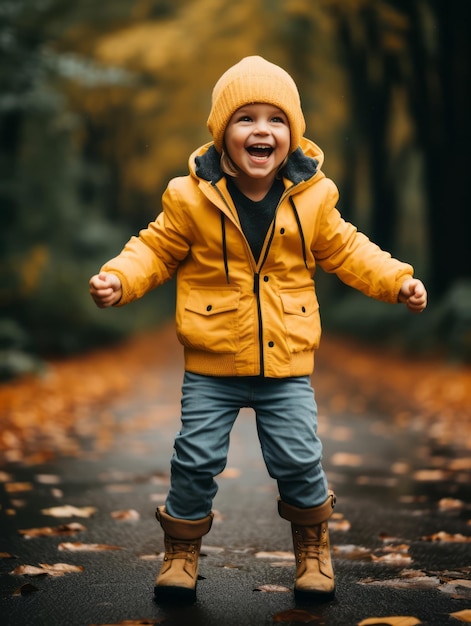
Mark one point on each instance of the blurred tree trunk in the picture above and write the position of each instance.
(432, 64)
(372, 73)
(438, 84)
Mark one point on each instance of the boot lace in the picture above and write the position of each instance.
(180, 550)
(310, 547)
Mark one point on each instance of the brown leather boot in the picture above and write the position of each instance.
(179, 573)
(314, 572)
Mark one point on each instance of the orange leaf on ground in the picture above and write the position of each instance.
(43, 569)
(18, 487)
(129, 514)
(69, 511)
(49, 531)
(390, 621)
(462, 616)
(447, 537)
(136, 622)
(78, 546)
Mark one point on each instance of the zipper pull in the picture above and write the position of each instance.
(256, 283)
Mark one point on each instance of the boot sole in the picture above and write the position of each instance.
(173, 595)
(314, 596)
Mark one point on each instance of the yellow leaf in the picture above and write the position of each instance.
(462, 616)
(17, 487)
(390, 621)
(69, 511)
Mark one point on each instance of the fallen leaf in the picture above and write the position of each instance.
(68, 510)
(49, 531)
(129, 514)
(390, 621)
(230, 472)
(24, 590)
(447, 538)
(17, 487)
(295, 615)
(459, 589)
(47, 479)
(462, 616)
(346, 459)
(450, 504)
(58, 569)
(393, 558)
(78, 546)
(339, 525)
(135, 622)
(272, 589)
(408, 579)
(7, 555)
(352, 552)
(460, 464)
(211, 550)
(5, 477)
(401, 548)
(431, 475)
(277, 554)
(150, 557)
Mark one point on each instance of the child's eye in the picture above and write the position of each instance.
(245, 118)
(278, 120)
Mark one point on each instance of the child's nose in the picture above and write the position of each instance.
(261, 127)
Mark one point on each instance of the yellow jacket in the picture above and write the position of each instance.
(236, 317)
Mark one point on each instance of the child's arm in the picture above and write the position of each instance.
(105, 289)
(413, 294)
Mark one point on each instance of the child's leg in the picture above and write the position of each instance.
(210, 406)
(287, 427)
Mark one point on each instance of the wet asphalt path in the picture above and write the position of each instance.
(379, 505)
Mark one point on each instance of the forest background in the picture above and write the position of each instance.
(101, 103)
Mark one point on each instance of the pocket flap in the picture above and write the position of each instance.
(299, 302)
(211, 301)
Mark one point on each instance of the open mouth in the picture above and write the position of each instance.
(260, 151)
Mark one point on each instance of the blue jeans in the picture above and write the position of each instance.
(286, 418)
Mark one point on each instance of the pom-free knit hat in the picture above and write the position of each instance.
(253, 80)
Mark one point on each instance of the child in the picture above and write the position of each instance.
(244, 232)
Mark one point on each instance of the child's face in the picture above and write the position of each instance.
(257, 139)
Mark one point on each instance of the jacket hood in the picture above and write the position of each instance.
(303, 163)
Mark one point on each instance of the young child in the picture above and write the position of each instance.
(244, 232)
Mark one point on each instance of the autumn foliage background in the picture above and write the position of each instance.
(101, 103)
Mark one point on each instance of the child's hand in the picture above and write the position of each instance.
(413, 294)
(105, 289)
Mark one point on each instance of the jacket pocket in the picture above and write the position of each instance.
(210, 320)
(301, 317)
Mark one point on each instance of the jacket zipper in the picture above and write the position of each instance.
(256, 276)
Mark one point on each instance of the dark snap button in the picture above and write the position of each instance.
(282, 231)
(271, 344)
(303, 309)
(209, 307)
(265, 279)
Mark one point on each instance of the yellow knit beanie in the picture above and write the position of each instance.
(253, 80)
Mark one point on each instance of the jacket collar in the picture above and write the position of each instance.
(299, 168)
